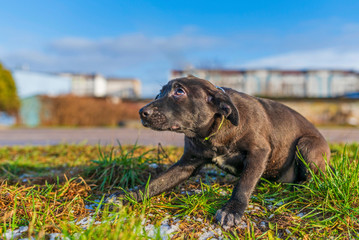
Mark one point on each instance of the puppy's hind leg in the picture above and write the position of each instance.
(314, 150)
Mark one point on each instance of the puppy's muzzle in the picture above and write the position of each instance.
(152, 118)
(145, 112)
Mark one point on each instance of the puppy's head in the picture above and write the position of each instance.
(188, 105)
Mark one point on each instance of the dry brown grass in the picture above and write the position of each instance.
(49, 203)
(71, 110)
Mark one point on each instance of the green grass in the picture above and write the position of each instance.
(50, 189)
(120, 167)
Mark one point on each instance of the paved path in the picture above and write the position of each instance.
(51, 136)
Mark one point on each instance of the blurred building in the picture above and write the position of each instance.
(30, 111)
(34, 86)
(124, 87)
(96, 85)
(30, 83)
(88, 85)
(99, 86)
(281, 83)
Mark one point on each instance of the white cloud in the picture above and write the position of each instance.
(321, 44)
(112, 54)
(137, 55)
(322, 58)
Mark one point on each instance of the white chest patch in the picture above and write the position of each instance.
(220, 161)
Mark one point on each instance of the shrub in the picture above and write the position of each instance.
(9, 100)
(71, 110)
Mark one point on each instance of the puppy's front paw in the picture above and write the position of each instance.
(230, 214)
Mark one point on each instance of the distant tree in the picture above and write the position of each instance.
(9, 100)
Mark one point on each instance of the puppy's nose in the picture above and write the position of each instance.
(145, 112)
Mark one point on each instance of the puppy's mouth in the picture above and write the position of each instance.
(162, 126)
(175, 128)
(145, 123)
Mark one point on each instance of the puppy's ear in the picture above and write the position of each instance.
(191, 76)
(226, 107)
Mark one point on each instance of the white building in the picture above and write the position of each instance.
(281, 83)
(87, 84)
(124, 87)
(99, 86)
(31, 83)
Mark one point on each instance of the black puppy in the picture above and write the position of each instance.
(246, 136)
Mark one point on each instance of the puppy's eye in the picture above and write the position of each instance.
(209, 99)
(179, 92)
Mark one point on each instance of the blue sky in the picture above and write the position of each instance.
(146, 39)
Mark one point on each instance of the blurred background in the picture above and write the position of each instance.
(95, 63)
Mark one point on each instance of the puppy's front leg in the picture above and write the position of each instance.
(231, 213)
(175, 175)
